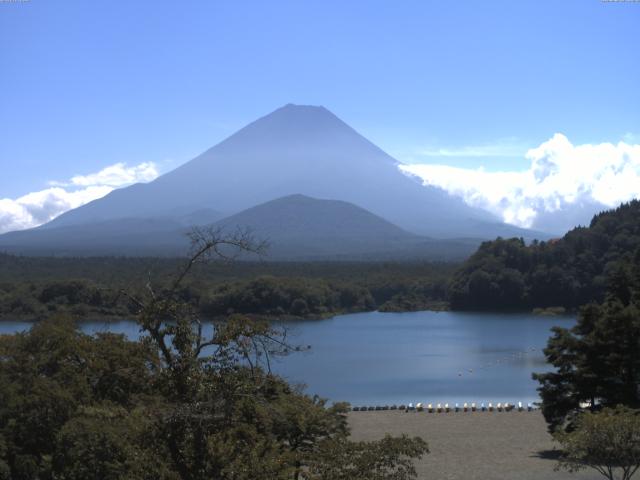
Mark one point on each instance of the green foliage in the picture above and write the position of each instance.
(110, 443)
(175, 405)
(423, 294)
(80, 298)
(607, 441)
(387, 459)
(5, 471)
(567, 272)
(598, 360)
(90, 287)
(104, 407)
(287, 296)
(50, 374)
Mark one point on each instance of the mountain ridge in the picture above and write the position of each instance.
(294, 150)
(297, 227)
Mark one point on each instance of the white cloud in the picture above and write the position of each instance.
(116, 175)
(561, 176)
(42, 206)
(505, 149)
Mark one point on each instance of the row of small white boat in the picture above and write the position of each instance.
(446, 408)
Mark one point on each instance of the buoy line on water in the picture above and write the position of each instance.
(500, 361)
(466, 407)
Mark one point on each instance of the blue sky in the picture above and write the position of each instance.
(85, 85)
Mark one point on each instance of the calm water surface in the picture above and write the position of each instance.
(385, 358)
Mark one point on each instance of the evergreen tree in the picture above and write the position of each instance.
(567, 272)
(596, 362)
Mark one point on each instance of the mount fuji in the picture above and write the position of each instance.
(295, 150)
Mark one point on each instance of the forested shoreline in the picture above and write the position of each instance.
(568, 272)
(504, 274)
(32, 288)
(161, 408)
(176, 404)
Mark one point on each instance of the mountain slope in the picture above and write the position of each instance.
(123, 236)
(299, 216)
(296, 227)
(297, 149)
(300, 227)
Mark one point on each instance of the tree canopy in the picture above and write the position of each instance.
(597, 362)
(175, 405)
(36, 288)
(607, 441)
(568, 272)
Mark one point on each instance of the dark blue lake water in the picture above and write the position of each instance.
(429, 357)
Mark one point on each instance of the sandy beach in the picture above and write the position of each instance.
(467, 446)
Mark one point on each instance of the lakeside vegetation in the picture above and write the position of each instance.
(158, 408)
(505, 274)
(175, 405)
(35, 287)
(567, 272)
(591, 399)
(597, 362)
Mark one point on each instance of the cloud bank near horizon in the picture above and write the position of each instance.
(562, 177)
(40, 207)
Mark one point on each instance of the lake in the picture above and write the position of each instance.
(385, 358)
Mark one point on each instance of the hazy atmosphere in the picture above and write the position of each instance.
(523, 109)
(319, 240)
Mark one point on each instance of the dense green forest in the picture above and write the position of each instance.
(597, 361)
(503, 274)
(33, 288)
(175, 405)
(568, 272)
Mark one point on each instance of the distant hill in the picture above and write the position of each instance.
(126, 237)
(154, 236)
(300, 227)
(569, 272)
(297, 149)
(296, 227)
(268, 176)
